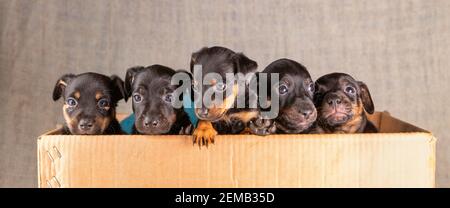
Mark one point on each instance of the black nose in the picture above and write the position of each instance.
(306, 113)
(333, 101)
(86, 124)
(154, 122)
(203, 112)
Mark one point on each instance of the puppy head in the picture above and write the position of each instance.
(295, 90)
(341, 99)
(89, 101)
(220, 61)
(152, 95)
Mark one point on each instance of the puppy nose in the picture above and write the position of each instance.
(204, 112)
(152, 122)
(334, 101)
(307, 113)
(155, 123)
(86, 124)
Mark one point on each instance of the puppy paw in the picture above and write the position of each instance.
(262, 127)
(186, 130)
(204, 134)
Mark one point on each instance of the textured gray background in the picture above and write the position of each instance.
(399, 48)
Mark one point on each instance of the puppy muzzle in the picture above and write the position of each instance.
(336, 109)
(87, 126)
(153, 125)
(209, 114)
(298, 117)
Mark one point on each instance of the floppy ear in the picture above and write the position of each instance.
(129, 78)
(316, 95)
(243, 64)
(194, 57)
(61, 85)
(119, 90)
(366, 98)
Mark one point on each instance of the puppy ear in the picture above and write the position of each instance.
(119, 90)
(61, 85)
(129, 78)
(316, 94)
(194, 57)
(243, 64)
(366, 98)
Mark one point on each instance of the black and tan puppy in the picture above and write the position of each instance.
(226, 117)
(90, 100)
(342, 103)
(152, 94)
(295, 90)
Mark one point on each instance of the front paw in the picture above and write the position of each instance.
(186, 130)
(204, 134)
(262, 127)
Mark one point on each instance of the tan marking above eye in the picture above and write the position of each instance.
(98, 95)
(62, 83)
(77, 95)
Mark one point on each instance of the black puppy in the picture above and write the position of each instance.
(341, 103)
(225, 117)
(152, 94)
(90, 100)
(295, 90)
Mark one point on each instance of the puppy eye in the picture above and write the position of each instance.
(312, 87)
(350, 90)
(220, 87)
(137, 98)
(283, 89)
(103, 103)
(72, 102)
(168, 98)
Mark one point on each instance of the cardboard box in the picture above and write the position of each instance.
(401, 156)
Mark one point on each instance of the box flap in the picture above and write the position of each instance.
(388, 124)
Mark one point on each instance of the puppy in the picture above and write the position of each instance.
(342, 103)
(90, 100)
(152, 94)
(225, 117)
(295, 91)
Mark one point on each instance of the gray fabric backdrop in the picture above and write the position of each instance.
(399, 48)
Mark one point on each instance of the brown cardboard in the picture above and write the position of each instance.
(401, 156)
